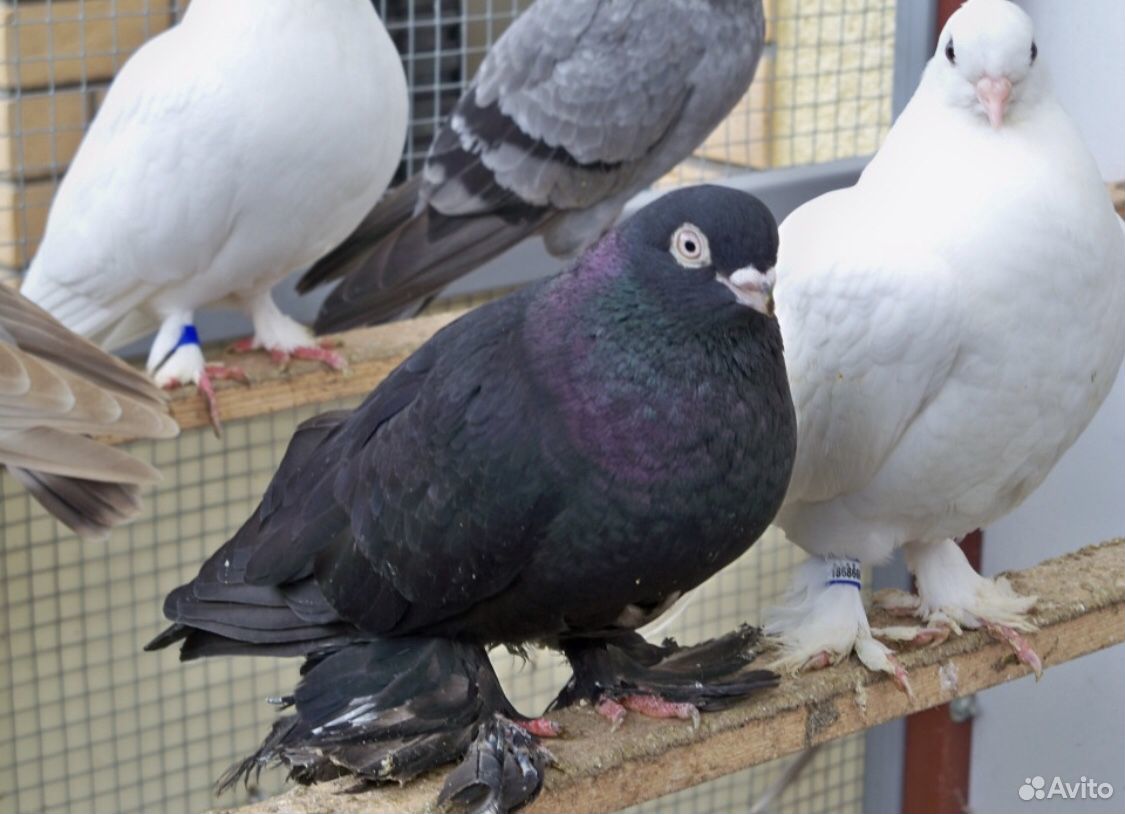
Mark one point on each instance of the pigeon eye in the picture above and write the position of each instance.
(950, 54)
(690, 247)
(1034, 51)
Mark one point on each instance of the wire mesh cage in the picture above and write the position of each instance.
(88, 722)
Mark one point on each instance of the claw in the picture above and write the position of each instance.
(900, 677)
(1019, 644)
(912, 635)
(818, 661)
(653, 706)
(878, 657)
(245, 345)
(931, 635)
(612, 712)
(227, 373)
(541, 727)
(210, 374)
(323, 352)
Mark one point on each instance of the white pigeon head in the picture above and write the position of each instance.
(987, 61)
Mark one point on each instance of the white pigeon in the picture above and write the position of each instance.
(951, 324)
(232, 150)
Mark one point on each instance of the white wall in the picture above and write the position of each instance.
(1082, 43)
(1073, 722)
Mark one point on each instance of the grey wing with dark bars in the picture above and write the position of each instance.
(578, 106)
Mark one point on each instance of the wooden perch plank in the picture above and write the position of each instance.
(371, 353)
(1081, 609)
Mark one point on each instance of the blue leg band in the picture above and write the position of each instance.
(189, 336)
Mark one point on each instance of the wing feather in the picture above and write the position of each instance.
(883, 321)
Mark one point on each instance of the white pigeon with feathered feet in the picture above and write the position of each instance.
(232, 150)
(951, 323)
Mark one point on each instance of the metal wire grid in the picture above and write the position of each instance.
(823, 89)
(86, 721)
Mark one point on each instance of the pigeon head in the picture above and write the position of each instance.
(707, 250)
(987, 60)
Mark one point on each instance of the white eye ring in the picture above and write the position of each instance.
(690, 247)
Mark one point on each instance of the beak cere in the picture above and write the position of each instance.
(752, 288)
(993, 95)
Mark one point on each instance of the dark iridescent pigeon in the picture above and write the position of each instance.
(555, 467)
(578, 106)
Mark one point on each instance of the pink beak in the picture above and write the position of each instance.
(993, 96)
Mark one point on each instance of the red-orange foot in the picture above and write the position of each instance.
(321, 352)
(1018, 644)
(207, 377)
(651, 706)
(540, 727)
(818, 661)
(892, 666)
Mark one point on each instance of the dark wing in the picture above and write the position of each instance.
(418, 505)
(564, 112)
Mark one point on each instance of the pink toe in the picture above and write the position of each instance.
(653, 706)
(541, 727)
(328, 358)
(818, 662)
(612, 712)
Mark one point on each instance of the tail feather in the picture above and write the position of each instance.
(711, 675)
(417, 260)
(395, 209)
(383, 710)
(90, 508)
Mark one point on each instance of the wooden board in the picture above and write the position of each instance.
(71, 41)
(1081, 609)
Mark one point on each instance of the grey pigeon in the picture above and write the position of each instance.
(55, 389)
(578, 106)
(557, 466)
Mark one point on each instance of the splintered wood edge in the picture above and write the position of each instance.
(1081, 609)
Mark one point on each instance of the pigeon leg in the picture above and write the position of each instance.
(825, 621)
(540, 727)
(390, 710)
(952, 596)
(185, 364)
(284, 338)
(502, 770)
(623, 672)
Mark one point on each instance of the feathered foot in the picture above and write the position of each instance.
(390, 710)
(626, 673)
(615, 710)
(502, 770)
(952, 596)
(285, 338)
(824, 621)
